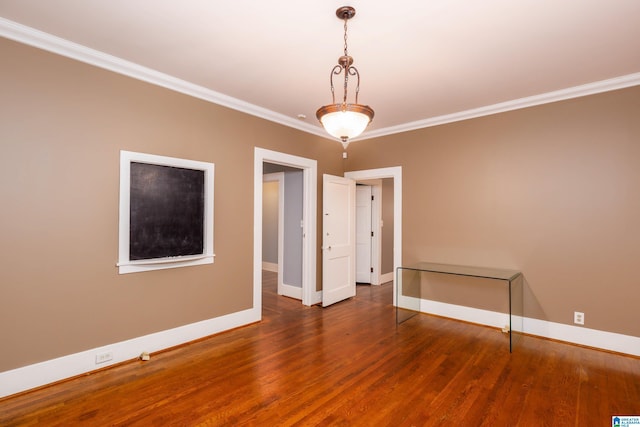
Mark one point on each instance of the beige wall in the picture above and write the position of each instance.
(552, 190)
(270, 210)
(62, 125)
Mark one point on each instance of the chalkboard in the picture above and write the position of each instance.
(166, 211)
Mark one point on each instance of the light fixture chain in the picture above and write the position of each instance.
(345, 36)
(346, 65)
(346, 84)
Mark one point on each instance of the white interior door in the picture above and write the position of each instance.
(363, 234)
(339, 239)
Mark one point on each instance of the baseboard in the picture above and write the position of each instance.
(39, 374)
(317, 298)
(611, 341)
(270, 266)
(603, 340)
(386, 277)
(468, 314)
(50, 371)
(292, 291)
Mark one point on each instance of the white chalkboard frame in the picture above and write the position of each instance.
(125, 264)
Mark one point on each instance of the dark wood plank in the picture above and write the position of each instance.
(348, 364)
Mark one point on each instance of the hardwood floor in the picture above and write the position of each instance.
(348, 364)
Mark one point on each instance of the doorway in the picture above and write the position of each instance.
(310, 295)
(308, 169)
(282, 220)
(390, 176)
(370, 200)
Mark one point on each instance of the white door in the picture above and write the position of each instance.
(339, 239)
(363, 234)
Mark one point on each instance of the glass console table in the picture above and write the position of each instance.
(409, 294)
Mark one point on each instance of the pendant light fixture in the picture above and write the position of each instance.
(345, 120)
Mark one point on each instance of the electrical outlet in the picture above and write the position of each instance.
(578, 318)
(104, 357)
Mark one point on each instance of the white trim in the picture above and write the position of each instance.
(39, 374)
(468, 314)
(516, 104)
(270, 266)
(583, 336)
(32, 37)
(309, 201)
(611, 341)
(291, 291)
(386, 277)
(316, 298)
(394, 172)
(36, 38)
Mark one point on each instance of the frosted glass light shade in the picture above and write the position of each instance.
(345, 121)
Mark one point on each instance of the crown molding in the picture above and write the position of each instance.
(36, 38)
(39, 39)
(516, 104)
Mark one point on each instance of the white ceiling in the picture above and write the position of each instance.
(421, 62)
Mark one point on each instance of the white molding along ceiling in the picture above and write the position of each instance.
(421, 63)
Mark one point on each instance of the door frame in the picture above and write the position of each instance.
(394, 172)
(309, 169)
